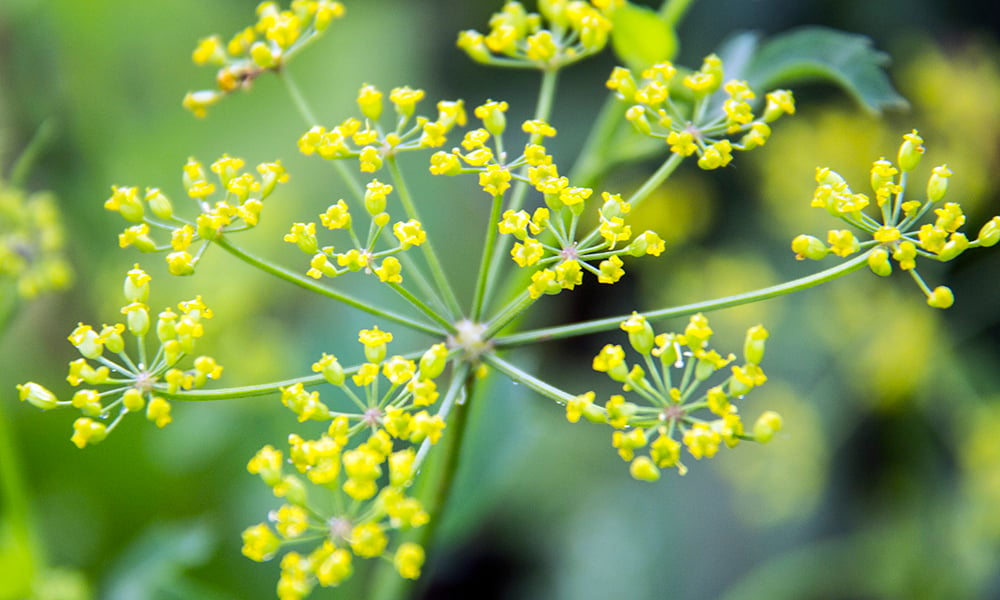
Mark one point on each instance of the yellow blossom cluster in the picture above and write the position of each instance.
(708, 127)
(370, 143)
(546, 238)
(362, 256)
(898, 230)
(238, 210)
(136, 382)
(32, 242)
(670, 384)
(265, 46)
(561, 33)
(366, 455)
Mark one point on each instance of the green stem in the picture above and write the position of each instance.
(489, 247)
(655, 180)
(247, 391)
(22, 166)
(591, 162)
(437, 271)
(533, 383)
(673, 11)
(434, 485)
(543, 110)
(611, 323)
(420, 305)
(306, 283)
(507, 314)
(16, 507)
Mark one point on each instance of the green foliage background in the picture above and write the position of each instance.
(883, 484)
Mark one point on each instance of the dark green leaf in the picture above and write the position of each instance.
(820, 54)
(641, 37)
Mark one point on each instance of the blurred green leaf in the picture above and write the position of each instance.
(641, 37)
(820, 54)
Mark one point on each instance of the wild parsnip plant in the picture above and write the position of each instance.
(374, 483)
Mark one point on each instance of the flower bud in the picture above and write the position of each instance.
(878, 262)
(807, 246)
(133, 400)
(331, 369)
(766, 426)
(941, 297)
(643, 469)
(937, 185)
(37, 395)
(989, 235)
(910, 151)
(753, 345)
(640, 333)
(433, 361)
(956, 244)
(159, 203)
(636, 115)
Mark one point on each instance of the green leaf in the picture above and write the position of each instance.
(641, 37)
(820, 54)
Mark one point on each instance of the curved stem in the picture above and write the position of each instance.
(437, 272)
(306, 283)
(610, 323)
(673, 11)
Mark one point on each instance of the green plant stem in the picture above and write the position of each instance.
(437, 271)
(306, 283)
(610, 323)
(436, 480)
(543, 110)
(22, 166)
(247, 391)
(673, 11)
(16, 506)
(529, 380)
(489, 247)
(592, 162)
(648, 187)
(309, 117)
(427, 310)
(507, 314)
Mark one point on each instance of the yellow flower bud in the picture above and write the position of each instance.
(941, 297)
(937, 185)
(766, 426)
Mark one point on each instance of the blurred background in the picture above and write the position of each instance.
(883, 484)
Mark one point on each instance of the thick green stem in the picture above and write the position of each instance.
(437, 271)
(16, 508)
(507, 314)
(427, 310)
(436, 479)
(307, 283)
(610, 323)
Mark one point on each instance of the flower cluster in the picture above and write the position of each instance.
(133, 383)
(704, 126)
(370, 143)
(574, 30)
(896, 231)
(362, 255)
(32, 242)
(373, 474)
(547, 237)
(238, 210)
(674, 401)
(265, 46)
